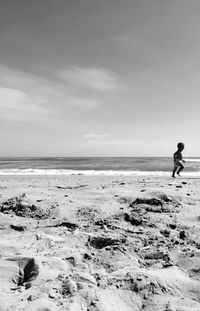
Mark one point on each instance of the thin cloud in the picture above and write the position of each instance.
(116, 142)
(17, 105)
(91, 136)
(92, 78)
(105, 139)
(82, 102)
(29, 92)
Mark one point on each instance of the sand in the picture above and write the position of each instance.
(95, 243)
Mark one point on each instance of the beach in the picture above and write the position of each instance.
(99, 161)
(99, 243)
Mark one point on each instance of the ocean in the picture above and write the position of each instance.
(95, 166)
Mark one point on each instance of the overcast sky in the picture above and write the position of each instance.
(99, 77)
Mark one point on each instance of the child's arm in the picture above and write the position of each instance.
(182, 158)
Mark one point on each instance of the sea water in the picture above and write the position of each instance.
(95, 166)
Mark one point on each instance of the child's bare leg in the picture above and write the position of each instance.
(181, 167)
(174, 171)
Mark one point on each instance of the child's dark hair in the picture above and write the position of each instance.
(180, 145)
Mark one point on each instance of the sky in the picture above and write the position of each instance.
(99, 78)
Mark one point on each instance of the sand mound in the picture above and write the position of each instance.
(20, 207)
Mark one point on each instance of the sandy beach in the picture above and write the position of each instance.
(99, 243)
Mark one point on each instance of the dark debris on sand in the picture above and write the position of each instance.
(19, 207)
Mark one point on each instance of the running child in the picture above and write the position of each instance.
(178, 160)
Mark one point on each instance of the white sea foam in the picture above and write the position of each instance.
(192, 160)
(53, 172)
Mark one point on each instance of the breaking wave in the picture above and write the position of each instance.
(52, 172)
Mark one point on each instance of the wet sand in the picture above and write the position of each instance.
(95, 243)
